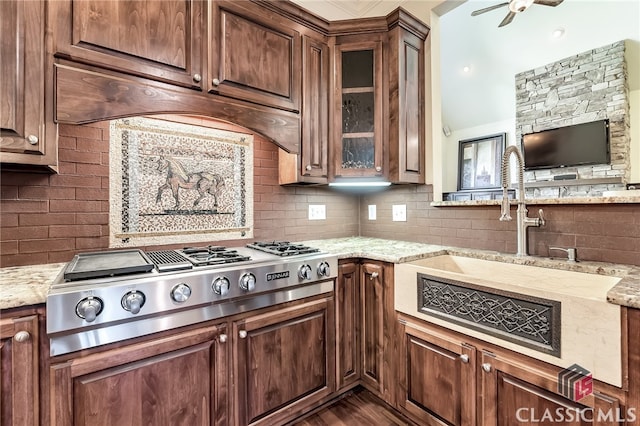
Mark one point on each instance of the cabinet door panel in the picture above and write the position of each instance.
(160, 39)
(406, 108)
(520, 402)
(283, 359)
(437, 377)
(19, 371)
(358, 109)
(254, 58)
(176, 380)
(167, 390)
(347, 322)
(315, 113)
(372, 323)
(22, 81)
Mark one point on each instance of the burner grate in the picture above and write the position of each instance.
(213, 255)
(282, 248)
(169, 260)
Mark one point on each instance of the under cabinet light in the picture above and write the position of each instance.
(360, 184)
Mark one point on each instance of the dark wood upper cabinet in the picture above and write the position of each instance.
(161, 40)
(405, 62)
(253, 55)
(311, 164)
(23, 129)
(358, 104)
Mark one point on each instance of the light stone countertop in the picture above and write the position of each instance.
(29, 285)
(26, 285)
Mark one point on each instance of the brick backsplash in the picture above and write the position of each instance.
(49, 218)
(600, 232)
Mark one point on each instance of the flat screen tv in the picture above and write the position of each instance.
(577, 145)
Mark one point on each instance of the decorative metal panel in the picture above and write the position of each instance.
(178, 183)
(530, 321)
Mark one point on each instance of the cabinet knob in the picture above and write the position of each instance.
(486, 367)
(32, 139)
(222, 338)
(216, 82)
(197, 78)
(242, 334)
(464, 358)
(22, 336)
(378, 169)
(373, 275)
(308, 168)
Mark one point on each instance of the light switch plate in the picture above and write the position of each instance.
(372, 212)
(317, 212)
(399, 212)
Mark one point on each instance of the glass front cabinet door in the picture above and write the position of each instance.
(358, 150)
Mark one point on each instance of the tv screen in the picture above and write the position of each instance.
(576, 145)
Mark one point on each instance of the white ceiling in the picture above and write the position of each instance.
(495, 55)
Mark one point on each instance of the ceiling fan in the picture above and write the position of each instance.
(515, 6)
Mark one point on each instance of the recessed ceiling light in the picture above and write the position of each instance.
(557, 33)
(466, 69)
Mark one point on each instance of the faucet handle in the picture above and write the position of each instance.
(541, 220)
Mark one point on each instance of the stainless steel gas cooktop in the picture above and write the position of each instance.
(105, 297)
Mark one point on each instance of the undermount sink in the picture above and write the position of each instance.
(454, 292)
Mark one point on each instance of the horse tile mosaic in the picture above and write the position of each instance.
(178, 183)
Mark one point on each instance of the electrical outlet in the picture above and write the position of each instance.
(317, 212)
(399, 212)
(372, 212)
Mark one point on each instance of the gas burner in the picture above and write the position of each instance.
(282, 248)
(212, 255)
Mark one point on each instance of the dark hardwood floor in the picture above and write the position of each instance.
(359, 408)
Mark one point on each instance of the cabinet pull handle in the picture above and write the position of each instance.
(486, 367)
(242, 334)
(197, 78)
(216, 82)
(373, 275)
(22, 336)
(464, 358)
(32, 139)
(222, 338)
(308, 168)
(378, 169)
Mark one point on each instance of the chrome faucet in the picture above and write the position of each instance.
(523, 222)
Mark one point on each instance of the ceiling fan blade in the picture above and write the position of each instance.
(548, 2)
(488, 9)
(507, 19)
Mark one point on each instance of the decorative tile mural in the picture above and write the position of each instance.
(176, 183)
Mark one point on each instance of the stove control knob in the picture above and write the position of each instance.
(133, 301)
(324, 270)
(248, 282)
(221, 286)
(180, 293)
(89, 308)
(304, 272)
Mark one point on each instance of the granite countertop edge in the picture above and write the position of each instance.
(28, 285)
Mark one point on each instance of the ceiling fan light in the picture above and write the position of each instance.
(517, 6)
